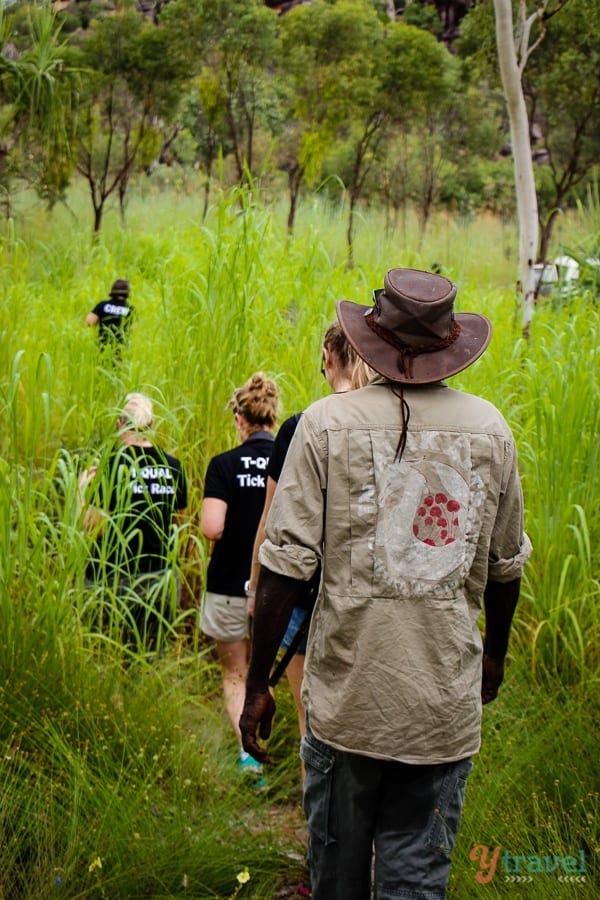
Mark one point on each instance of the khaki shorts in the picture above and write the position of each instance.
(224, 618)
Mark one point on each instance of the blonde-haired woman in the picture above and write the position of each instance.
(342, 367)
(134, 501)
(234, 495)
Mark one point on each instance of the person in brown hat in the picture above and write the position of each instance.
(407, 493)
(113, 317)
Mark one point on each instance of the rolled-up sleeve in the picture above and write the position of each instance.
(294, 527)
(511, 567)
(510, 546)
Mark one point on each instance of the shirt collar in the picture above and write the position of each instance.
(260, 436)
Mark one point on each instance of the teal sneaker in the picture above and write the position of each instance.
(250, 767)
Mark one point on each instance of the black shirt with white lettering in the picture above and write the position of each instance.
(140, 489)
(114, 319)
(238, 477)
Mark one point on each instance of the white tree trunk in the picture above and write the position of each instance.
(527, 208)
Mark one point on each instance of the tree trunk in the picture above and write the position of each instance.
(369, 141)
(207, 191)
(295, 176)
(527, 207)
(123, 185)
(350, 231)
(390, 8)
(98, 210)
(233, 133)
(546, 233)
(428, 188)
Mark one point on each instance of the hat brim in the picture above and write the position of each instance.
(427, 368)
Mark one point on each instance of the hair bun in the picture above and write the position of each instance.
(257, 400)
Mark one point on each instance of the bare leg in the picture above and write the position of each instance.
(234, 665)
(295, 673)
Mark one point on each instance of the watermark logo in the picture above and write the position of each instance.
(518, 868)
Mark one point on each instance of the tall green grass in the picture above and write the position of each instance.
(559, 427)
(117, 779)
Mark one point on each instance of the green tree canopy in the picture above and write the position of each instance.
(37, 89)
(327, 72)
(132, 81)
(236, 40)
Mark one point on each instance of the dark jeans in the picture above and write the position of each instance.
(406, 815)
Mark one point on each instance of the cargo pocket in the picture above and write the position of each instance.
(448, 807)
(318, 761)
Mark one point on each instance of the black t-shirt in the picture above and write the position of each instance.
(280, 449)
(140, 488)
(281, 446)
(114, 317)
(238, 477)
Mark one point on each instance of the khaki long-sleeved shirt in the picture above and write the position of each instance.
(393, 665)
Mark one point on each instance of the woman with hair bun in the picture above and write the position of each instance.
(234, 495)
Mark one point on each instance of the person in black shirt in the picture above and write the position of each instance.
(113, 317)
(343, 370)
(234, 495)
(133, 499)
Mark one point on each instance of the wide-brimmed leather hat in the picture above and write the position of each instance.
(411, 333)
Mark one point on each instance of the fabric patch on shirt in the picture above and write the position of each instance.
(428, 518)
